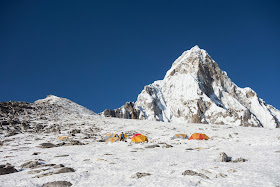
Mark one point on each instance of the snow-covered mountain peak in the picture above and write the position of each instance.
(196, 90)
(191, 61)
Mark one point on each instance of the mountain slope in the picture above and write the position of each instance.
(51, 114)
(196, 90)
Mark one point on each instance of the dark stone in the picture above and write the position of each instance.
(30, 164)
(7, 169)
(64, 170)
(47, 145)
(152, 146)
(58, 184)
(139, 175)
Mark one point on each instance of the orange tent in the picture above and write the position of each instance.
(198, 136)
(137, 138)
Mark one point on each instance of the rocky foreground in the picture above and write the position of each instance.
(234, 156)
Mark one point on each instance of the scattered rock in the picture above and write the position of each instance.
(239, 160)
(231, 171)
(193, 173)
(7, 169)
(166, 145)
(223, 157)
(30, 164)
(46, 145)
(277, 151)
(221, 175)
(76, 142)
(152, 146)
(58, 184)
(61, 155)
(58, 166)
(139, 175)
(64, 170)
(206, 171)
(36, 171)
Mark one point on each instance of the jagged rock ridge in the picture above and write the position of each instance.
(196, 90)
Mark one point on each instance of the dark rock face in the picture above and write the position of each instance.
(7, 169)
(58, 184)
(127, 111)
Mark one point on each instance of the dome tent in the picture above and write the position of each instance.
(182, 136)
(112, 140)
(111, 135)
(198, 136)
(138, 138)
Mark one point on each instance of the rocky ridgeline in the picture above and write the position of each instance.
(48, 115)
(127, 111)
(196, 90)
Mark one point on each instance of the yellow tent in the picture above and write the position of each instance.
(112, 140)
(111, 135)
(62, 138)
(183, 136)
(139, 138)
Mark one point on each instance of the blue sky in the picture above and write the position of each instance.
(101, 54)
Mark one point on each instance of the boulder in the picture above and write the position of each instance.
(223, 157)
(193, 173)
(30, 164)
(7, 169)
(64, 170)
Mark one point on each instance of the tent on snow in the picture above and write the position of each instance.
(112, 140)
(198, 136)
(137, 138)
(111, 135)
(182, 136)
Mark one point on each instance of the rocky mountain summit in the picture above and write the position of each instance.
(196, 90)
(45, 115)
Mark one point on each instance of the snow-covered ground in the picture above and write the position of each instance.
(114, 164)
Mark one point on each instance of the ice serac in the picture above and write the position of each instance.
(196, 90)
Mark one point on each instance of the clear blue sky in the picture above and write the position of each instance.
(101, 54)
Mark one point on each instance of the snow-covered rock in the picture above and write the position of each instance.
(196, 90)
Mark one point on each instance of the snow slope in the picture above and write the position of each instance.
(100, 164)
